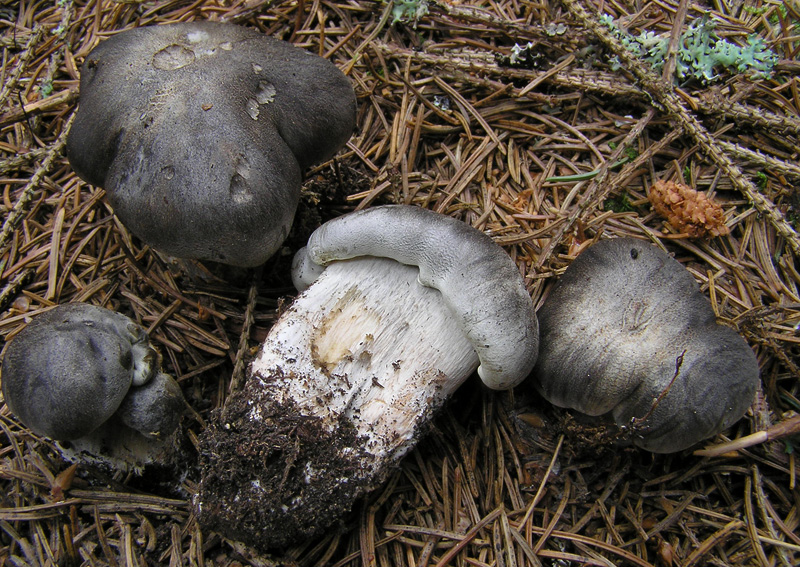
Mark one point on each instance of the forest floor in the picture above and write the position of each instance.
(529, 121)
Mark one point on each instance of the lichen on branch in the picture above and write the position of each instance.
(700, 51)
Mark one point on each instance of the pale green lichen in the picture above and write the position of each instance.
(408, 10)
(700, 51)
(46, 89)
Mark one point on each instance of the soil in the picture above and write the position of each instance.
(254, 491)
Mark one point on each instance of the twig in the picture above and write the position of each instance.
(20, 160)
(750, 522)
(22, 65)
(468, 537)
(20, 207)
(712, 102)
(585, 176)
(54, 102)
(12, 288)
(759, 159)
(237, 378)
(543, 484)
(674, 40)
(515, 28)
(247, 10)
(637, 422)
(57, 58)
(477, 64)
(780, 430)
(712, 541)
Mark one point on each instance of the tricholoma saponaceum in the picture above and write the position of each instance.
(627, 333)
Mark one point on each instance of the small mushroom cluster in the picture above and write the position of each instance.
(627, 333)
(199, 133)
(88, 377)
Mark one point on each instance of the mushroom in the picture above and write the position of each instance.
(199, 133)
(88, 378)
(626, 333)
(407, 305)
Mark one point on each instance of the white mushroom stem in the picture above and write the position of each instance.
(369, 343)
(341, 389)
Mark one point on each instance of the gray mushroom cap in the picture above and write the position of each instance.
(199, 133)
(478, 280)
(68, 371)
(153, 409)
(627, 333)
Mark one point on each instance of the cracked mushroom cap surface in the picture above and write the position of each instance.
(478, 280)
(68, 371)
(199, 133)
(626, 332)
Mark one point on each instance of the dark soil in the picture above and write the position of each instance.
(252, 489)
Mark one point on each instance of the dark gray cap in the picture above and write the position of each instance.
(199, 133)
(627, 333)
(67, 372)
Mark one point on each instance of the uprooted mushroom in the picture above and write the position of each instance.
(88, 378)
(627, 334)
(405, 305)
(199, 133)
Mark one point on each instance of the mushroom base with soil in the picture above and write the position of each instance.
(144, 431)
(343, 387)
(123, 449)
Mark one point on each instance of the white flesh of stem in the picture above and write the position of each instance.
(369, 342)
